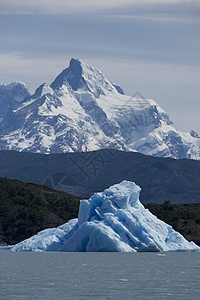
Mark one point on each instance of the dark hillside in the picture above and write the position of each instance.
(82, 174)
(184, 218)
(27, 208)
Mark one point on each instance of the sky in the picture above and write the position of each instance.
(146, 46)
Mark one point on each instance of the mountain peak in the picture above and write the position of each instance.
(15, 91)
(118, 88)
(81, 76)
(194, 134)
(72, 75)
(42, 90)
(75, 62)
(11, 95)
(12, 85)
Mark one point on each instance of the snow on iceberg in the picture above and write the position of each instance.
(114, 221)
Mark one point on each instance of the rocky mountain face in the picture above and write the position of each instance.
(82, 111)
(10, 96)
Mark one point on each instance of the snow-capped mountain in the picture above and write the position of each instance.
(82, 111)
(11, 95)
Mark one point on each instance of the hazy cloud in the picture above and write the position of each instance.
(68, 6)
(33, 71)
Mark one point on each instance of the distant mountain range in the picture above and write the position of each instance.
(82, 174)
(82, 111)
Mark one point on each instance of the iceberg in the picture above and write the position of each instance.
(111, 221)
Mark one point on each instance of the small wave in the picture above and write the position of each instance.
(123, 279)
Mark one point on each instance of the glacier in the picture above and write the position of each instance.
(110, 221)
(81, 110)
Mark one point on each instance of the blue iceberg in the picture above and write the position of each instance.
(110, 221)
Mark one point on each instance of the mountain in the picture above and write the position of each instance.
(82, 111)
(83, 174)
(11, 95)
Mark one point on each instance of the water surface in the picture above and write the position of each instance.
(48, 275)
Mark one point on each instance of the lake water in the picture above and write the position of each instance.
(48, 275)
